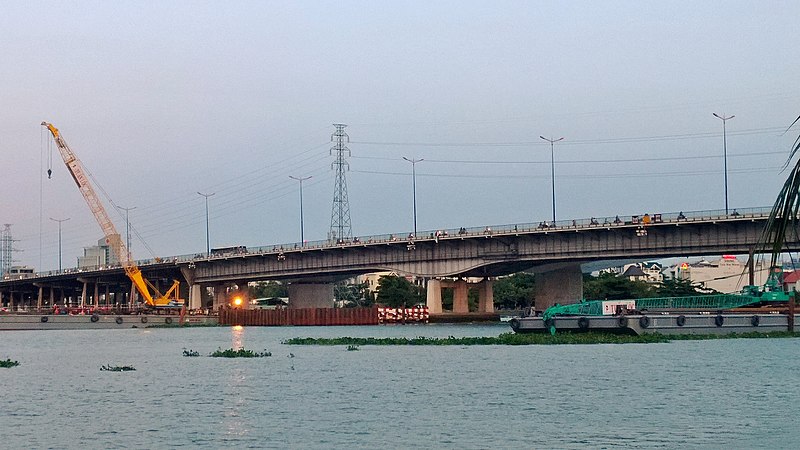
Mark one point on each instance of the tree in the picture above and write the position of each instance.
(269, 289)
(514, 292)
(394, 291)
(609, 286)
(353, 295)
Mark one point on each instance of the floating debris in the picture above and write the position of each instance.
(110, 368)
(291, 355)
(8, 363)
(241, 353)
(190, 353)
(352, 348)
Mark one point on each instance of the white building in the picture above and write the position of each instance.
(97, 256)
(726, 274)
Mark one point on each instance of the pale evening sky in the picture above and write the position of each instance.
(164, 99)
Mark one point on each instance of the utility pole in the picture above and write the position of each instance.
(208, 236)
(127, 227)
(301, 179)
(59, 239)
(725, 120)
(414, 187)
(340, 214)
(553, 172)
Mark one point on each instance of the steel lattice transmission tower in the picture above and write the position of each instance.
(6, 249)
(340, 214)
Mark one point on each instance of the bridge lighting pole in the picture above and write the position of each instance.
(59, 239)
(301, 179)
(414, 185)
(724, 120)
(553, 171)
(208, 238)
(127, 227)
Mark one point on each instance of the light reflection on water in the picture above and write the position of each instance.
(726, 393)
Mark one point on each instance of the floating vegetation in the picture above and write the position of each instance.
(241, 353)
(531, 339)
(110, 368)
(352, 348)
(8, 363)
(190, 353)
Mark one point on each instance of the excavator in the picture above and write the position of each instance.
(152, 300)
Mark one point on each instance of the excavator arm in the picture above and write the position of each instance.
(109, 230)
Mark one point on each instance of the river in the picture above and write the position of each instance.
(735, 393)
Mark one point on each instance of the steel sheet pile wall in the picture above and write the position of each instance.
(303, 316)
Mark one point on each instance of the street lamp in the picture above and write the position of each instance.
(208, 239)
(724, 120)
(414, 184)
(553, 171)
(127, 227)
(301, 179)
(59, 239)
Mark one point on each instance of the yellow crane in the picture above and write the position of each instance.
(156, 299)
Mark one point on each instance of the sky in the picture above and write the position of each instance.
(162, 100)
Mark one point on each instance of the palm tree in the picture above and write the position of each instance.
(783, 219)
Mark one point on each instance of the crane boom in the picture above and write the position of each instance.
(112, 237)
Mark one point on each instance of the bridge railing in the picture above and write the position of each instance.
(451, 233)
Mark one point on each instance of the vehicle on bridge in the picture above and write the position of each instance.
(75, 168)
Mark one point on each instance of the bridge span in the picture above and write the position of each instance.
(555, 251)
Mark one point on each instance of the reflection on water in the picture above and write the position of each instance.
(724, 393)
(237, 336)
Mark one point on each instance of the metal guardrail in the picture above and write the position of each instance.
(617, 221)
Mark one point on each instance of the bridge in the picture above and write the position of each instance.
(442, 258)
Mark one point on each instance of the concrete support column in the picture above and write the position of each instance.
(41, 298)
(433, 294)
(108, 290)
(486, 296)
(195, 296)
(132, 296)
(52, 296)
(562, 283)
(96, 299)
(220, 296)
(83, 293)
(11, 300)
(310, 295)
(460, 294)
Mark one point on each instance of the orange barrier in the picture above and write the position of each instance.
(403, 315)
(302, 317)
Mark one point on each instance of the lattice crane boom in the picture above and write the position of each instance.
(109, 230)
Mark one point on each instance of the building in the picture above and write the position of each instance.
(727, 274)
(98, 256)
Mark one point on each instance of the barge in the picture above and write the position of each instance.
(96, 321)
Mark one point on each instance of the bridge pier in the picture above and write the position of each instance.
(310, 295)
(558, 283)
(433, 295)
(486, 296)
(460, 297)
(195, 296)
(220, 296)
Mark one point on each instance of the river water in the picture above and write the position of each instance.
(736, 393)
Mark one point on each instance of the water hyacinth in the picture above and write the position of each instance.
(8, 363)
(240, 353)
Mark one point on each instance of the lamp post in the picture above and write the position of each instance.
(724, 120)
(301, 179)
(208, 239)
(553, 171)
(59, 239)
(414, 185)
(127, 228)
